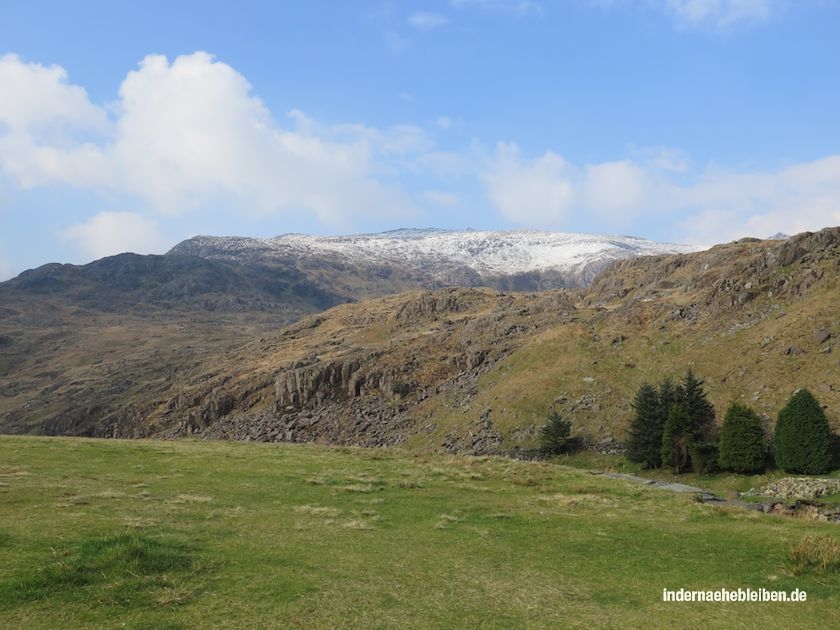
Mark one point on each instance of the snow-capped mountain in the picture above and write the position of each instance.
(527, 259)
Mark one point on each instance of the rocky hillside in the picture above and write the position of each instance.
(133, 284)
(472, 370)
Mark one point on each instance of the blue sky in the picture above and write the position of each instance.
(131, 126)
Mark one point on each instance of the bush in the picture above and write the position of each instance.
(802, 441)
(399, 388)
(742, 447)
(555, 436)
(704, 457)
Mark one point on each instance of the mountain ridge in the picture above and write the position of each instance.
(442, 256)
(287, 277)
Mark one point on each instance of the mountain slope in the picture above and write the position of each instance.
(130, 283)
(476, 370)
(291, 276)
(83, 343)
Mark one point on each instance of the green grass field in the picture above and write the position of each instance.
(184, 534)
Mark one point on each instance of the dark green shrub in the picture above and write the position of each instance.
(704, 457)
(802, 441)
(400, 389)
(555, 436)
(742, 447)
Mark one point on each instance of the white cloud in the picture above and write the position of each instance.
(712, 206)
(39, 102)
(548, 190)
(43, 100)
(535, 192)
(727, 205)
(110, 233)
(426, 21)
(189, 134)
(615, 188)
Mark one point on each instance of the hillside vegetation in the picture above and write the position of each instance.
(459, 370)
(188, 534)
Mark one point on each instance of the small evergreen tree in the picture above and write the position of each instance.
(742, 446)
(669, 395)
(555, 436)
(644, 444)
(700, 411)
(676, 439)
(802, 440)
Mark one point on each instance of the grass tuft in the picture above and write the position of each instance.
(191, 498)
(816, 553)
(447, 520)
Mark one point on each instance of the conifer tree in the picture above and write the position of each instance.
(555, 435)
(676, 439)
(700, 411)
(742, 447)
(802, 440)
(669, 395)
(645, 441)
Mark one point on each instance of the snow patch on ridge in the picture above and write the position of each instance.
(486, 252)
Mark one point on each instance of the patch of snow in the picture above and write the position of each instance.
(486, 252)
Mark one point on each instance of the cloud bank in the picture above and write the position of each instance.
(714, 206)
(187, 135)
(188, 138)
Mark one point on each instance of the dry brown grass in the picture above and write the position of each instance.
(819, 553)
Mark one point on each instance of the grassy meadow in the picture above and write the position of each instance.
(143, 534)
